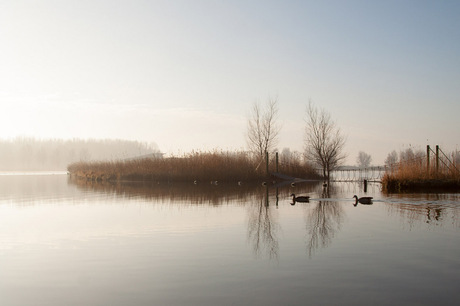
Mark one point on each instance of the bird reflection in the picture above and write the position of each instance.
(262, 228)
(302, 199)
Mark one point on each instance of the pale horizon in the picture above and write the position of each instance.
(184, 75)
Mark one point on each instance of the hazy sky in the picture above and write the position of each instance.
(184, 74)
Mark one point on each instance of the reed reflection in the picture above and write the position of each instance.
(178, 192)
(323, 218)
(430, 209)
(263, 226)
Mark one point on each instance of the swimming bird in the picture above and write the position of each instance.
(362, 200)
(304, 199)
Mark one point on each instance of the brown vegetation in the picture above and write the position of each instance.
(196, 166)
(416, 175)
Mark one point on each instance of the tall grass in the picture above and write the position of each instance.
(195, 166)
(417, 175)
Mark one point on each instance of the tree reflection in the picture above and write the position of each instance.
(324, 220)
(262, 228)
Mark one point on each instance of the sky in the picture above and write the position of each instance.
(185, 74)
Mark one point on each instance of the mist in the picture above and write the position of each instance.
(31, 154)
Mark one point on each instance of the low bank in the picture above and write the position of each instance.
(199, 167)
(397, 185)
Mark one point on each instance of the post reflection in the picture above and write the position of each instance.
(262, 226)
(430, 209)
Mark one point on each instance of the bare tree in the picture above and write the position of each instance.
(263, 128)
(411, 156)
(391, 159)
(323, 140)
(363, 160)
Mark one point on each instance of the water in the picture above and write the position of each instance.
(70, 243)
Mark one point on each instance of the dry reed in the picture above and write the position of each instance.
(196, 166)
(415, 175)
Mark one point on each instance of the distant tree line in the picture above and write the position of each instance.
(405, 156)
(410, 155)
(25, 153)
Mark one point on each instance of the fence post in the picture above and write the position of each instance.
(428, 159)
(437, 158)
(277, 160)
(266, 162)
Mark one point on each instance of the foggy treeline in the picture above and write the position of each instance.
(23, 153)
(410, 155)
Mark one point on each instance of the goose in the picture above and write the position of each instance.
(304, 199)
(362, 200)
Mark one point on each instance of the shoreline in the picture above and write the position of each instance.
(197, 167)
(394, 185)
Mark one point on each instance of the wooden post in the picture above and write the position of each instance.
(437, 158)
(277, 160)
(266, 163)
(365, 185)
(428, 159)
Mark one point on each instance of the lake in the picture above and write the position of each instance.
(64, 242)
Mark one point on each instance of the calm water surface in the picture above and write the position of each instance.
(70, 243)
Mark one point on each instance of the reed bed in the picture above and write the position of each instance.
(196, 166)
(417, 176)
